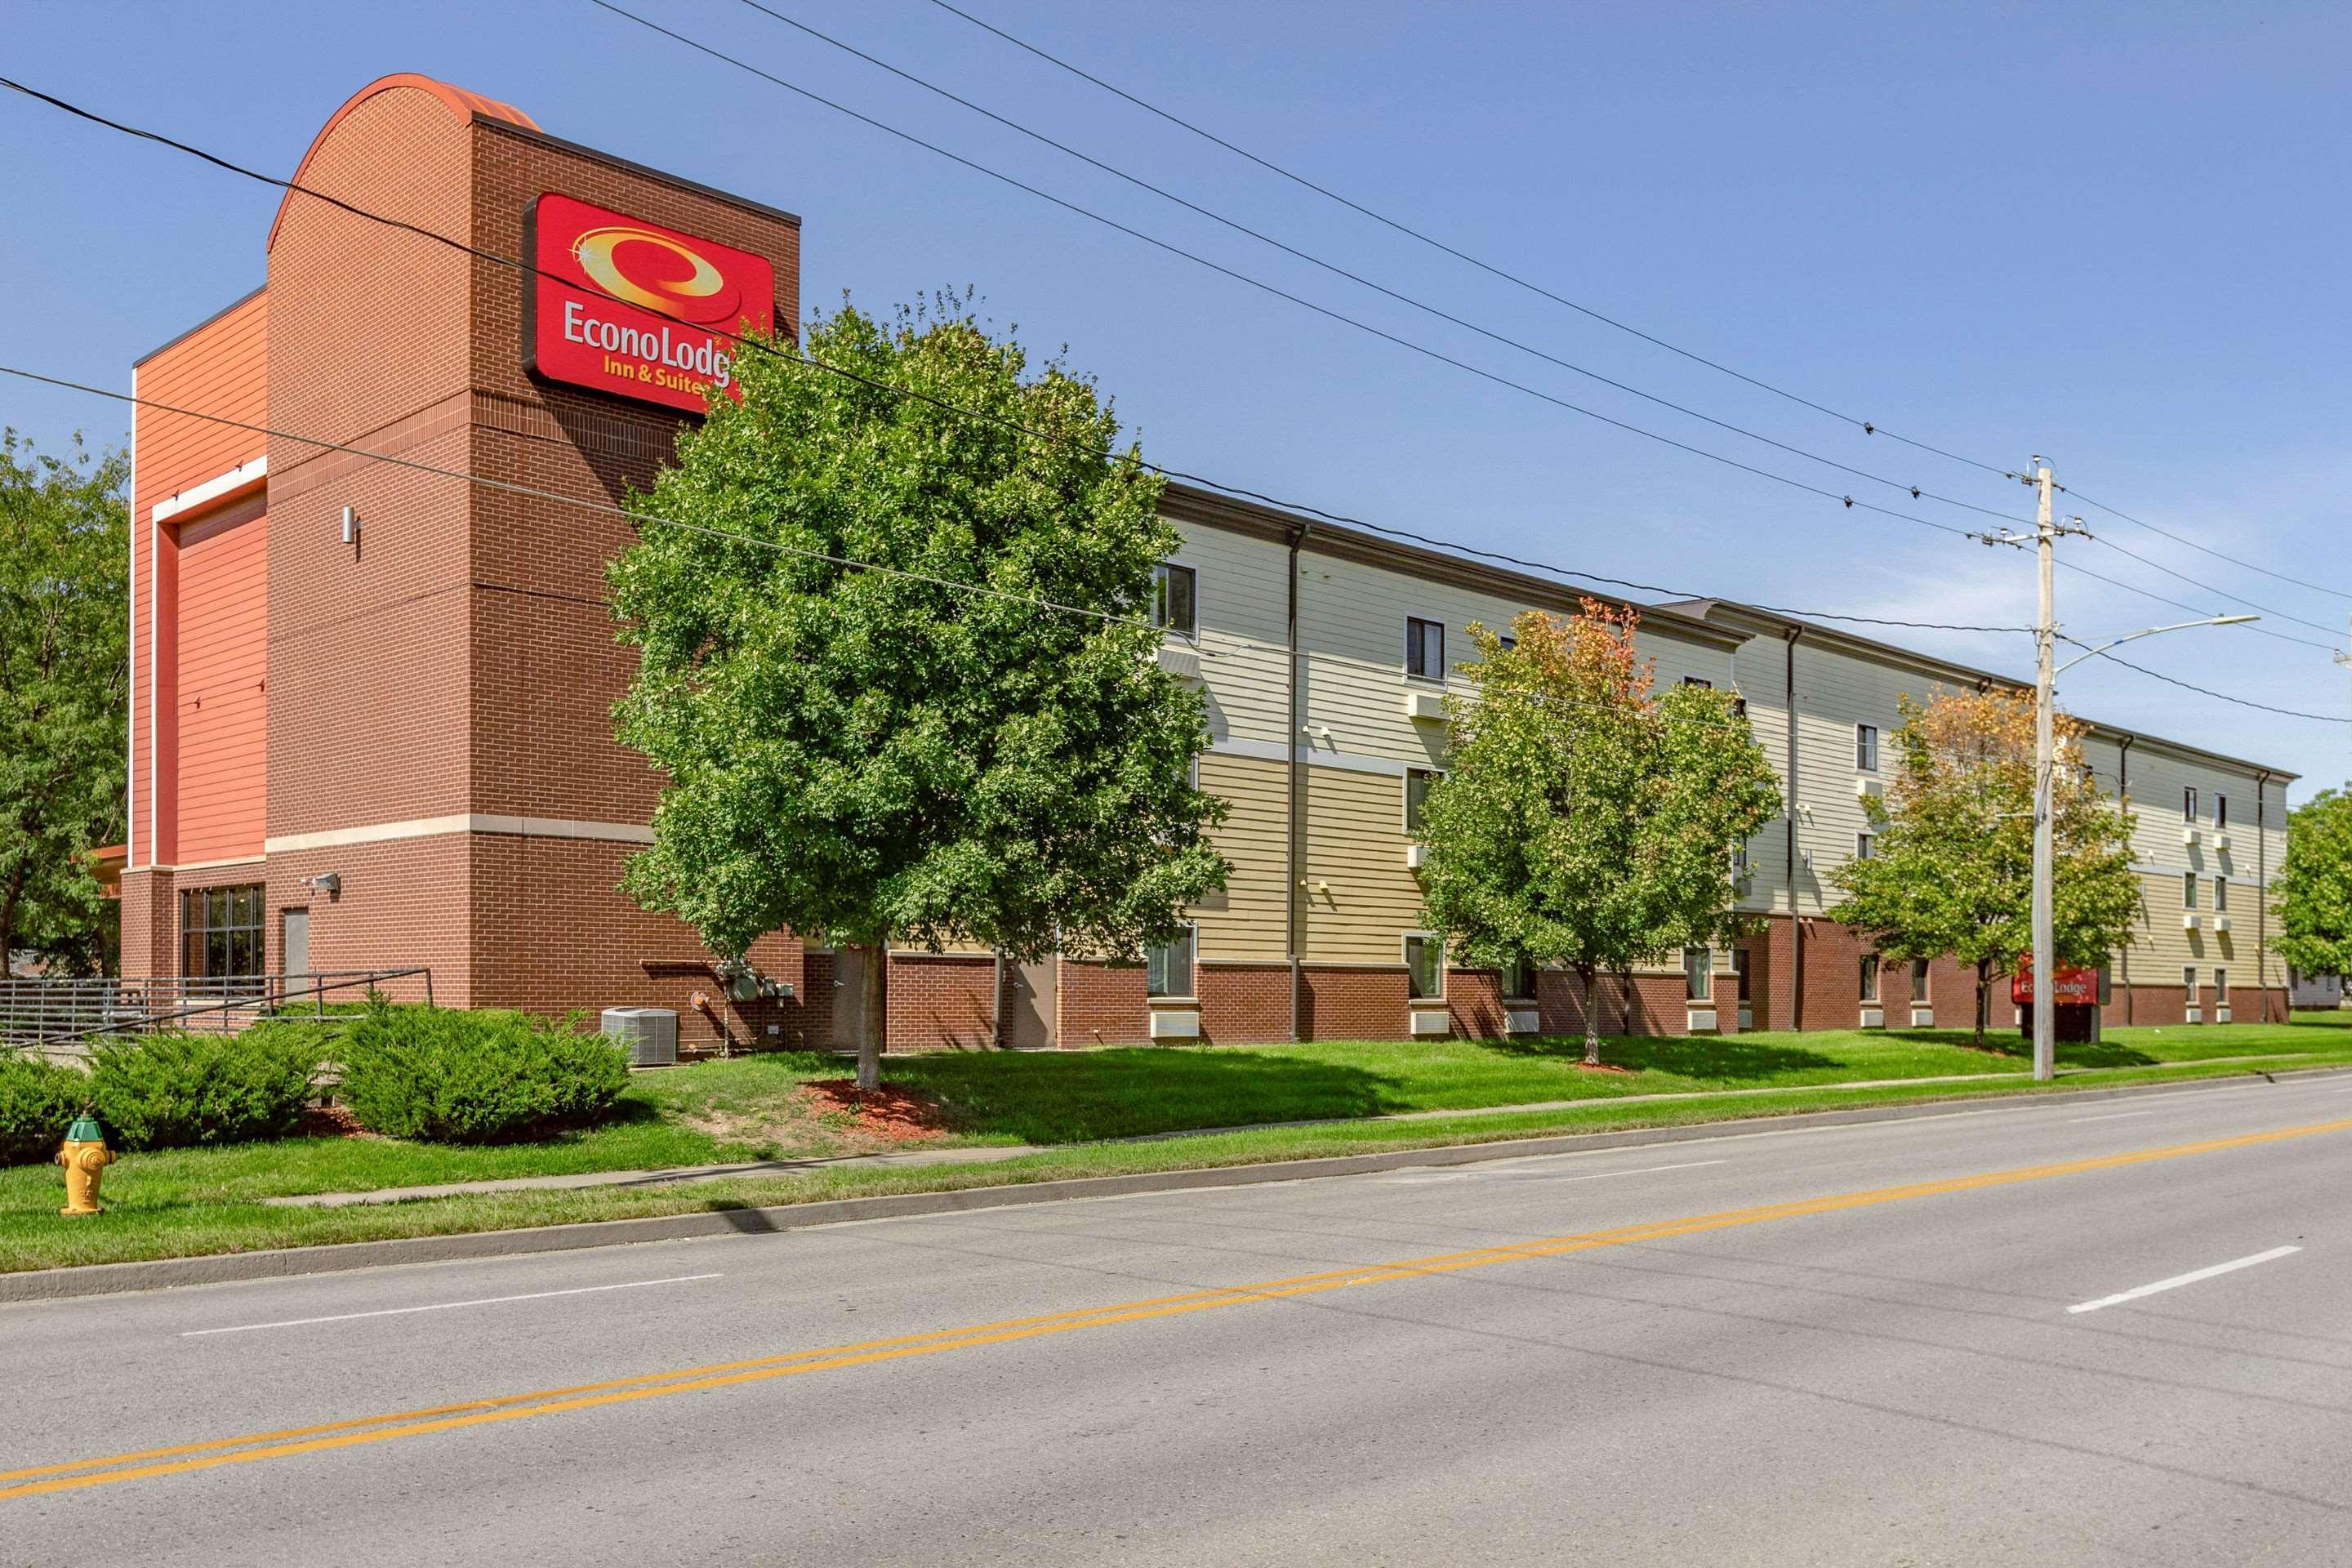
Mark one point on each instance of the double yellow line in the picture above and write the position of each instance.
(291, 1442)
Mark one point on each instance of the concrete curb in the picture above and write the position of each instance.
(112, 1278)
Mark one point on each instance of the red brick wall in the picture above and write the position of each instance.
(1245, 1003)
(150, 924)
(941, 1002)
(1474, 996)
(1344, 1004)
(1101, 1004)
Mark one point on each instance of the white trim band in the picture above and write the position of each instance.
(477, 822)
(212, 490)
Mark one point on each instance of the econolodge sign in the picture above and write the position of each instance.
(2077, 986)
(629, 308)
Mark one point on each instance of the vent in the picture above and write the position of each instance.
(1523, 1020)
(1432, 1023)
(648, 1034)
(1416, 856)
(1176, 1024)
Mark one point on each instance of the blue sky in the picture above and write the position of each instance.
(2114, 234)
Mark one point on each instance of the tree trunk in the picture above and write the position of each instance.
(1592, 1015)
(1984, 997)
(873, 1020)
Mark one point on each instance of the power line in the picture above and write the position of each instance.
(2194, 582)
(1333, 267)
(802, 359)
(1868, 427)
(2218, 555)
(2205, 691)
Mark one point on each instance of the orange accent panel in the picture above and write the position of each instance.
(223, 701)
(221, 368)
(463, 104)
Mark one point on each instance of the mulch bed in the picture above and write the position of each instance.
(891, 1115)
(332, 1121)
(1603, 1066)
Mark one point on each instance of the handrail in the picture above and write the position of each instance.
(51, 1012)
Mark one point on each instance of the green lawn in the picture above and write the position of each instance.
(194, 1201)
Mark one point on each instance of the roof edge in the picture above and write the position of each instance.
(177, 339)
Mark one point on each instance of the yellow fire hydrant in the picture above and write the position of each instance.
(84, 1156)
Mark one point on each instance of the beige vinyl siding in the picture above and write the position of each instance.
(1243, 611)
(1248, 921)
(1355, 844)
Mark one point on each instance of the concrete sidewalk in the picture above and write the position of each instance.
(990, 1154)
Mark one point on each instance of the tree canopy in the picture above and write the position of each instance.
(976, 745)
(1583, 820)
(64, 631)
(1950, 872)
(2315, 886)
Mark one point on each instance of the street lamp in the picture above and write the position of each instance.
(2045, 1048)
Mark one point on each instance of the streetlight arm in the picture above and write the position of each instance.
(2091, 652)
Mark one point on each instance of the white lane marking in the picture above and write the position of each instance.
(2111, 1116)
(1589, 1176)
(2178, 1280)
(448, 1305)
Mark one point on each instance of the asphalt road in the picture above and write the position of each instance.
(1838, 1345)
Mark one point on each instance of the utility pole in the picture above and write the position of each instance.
(2045, 639)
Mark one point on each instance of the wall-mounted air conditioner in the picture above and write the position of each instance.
(1865, 787)
(1523, 1020)
(1176, 1024)
(2192, 922)
(648, 1034)
(1432, 1023)
(2221, 922)
(1180, 660)
(2189, 837)
(1424, 705)
(2222, 841)
(1416, 856)
(1874, 1017)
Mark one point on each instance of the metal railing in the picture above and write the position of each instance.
(49, 1013)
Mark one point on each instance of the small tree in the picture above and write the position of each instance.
(1950, 872)
(63, 668)
(2315, 886)
(977, 746)
(1584, 821)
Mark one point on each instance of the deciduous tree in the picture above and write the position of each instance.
(1951, 873)
(64, 558)
(977, 746)
(1584, 820)
(2315, 886)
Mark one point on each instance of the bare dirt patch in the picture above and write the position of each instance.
(885, 1115)
(332, 1121)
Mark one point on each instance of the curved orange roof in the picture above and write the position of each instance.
(463, 104)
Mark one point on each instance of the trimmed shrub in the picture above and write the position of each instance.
(37, 1100)
(448, 1076)
(178, 1091)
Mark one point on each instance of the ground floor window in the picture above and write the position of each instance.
(1168, 966)
(1739, 970)
(2189, 982)
(1919, 980)
(1870, 978)
(2220, 988)
(1425, 960)
(220, 931)
(1519, 978)
(1699, 972)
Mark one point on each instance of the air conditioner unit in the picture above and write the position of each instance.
(2221, 841)
(1523, 1020)
(2221, 1014)
(2188, 836)
(1923, 1017)
(2192, 922)
(1416, 856)
(1180, 660)
(1702, 1020)
(2221, 922)
(1874, 1017)
(1430, 705)
(1864, 787)
(1176, 1024)
(1432, 1023)
(648, 1034)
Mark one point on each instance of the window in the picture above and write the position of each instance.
(1695, 681)
(2220, 988)
(1919, 980)
(2189, 982)
(2220, 811)
(1424, 961)
(220, 931)
(2188, 890)
(1739, 861)
(1862, 845)
(1175, 598)
(1417, 783)
(1168, 965)
(1870, 979)
(1519, 978)
(1865, 748)
(2188, 802)
(1424, 649)
(1699, 972)
(1739, 970)
(2221, 895)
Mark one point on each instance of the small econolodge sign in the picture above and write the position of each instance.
(2075, 987)
(633, 309)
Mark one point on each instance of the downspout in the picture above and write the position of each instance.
(2263, 892)
(1796, 919)
(2123, 798)
(1292, 847)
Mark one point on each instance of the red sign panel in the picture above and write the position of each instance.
(632, 309)
(2074, 986)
